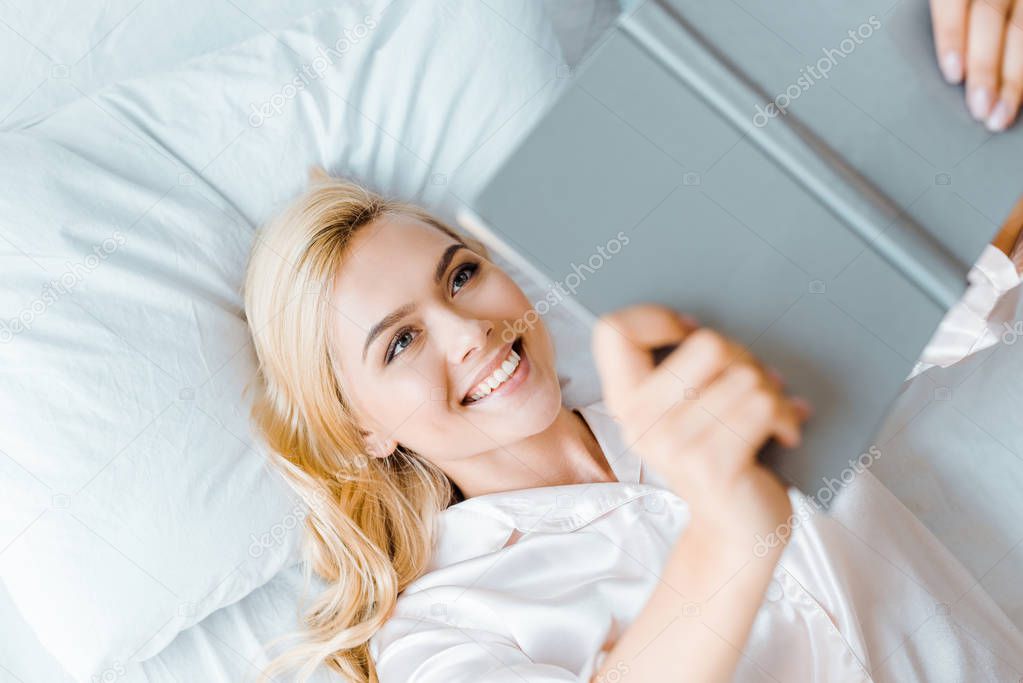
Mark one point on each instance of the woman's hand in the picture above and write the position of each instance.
(982, 40)
(699, 417)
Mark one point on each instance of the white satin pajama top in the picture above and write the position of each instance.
(536, 585)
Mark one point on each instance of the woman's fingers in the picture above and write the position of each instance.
(747, 426)
(716, 403)
(696, 362)
(788, 423)
(1007, 107)
(984, 54)
(622, 344)
(949, 21)
(982, 40)
(723, 402)
(700, 415)
(802, 407)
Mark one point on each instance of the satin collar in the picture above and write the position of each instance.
(483, 524)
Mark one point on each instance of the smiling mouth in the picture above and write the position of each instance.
(503, 374)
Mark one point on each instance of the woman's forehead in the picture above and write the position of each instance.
(393, 241)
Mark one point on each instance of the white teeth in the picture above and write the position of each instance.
(499, 376)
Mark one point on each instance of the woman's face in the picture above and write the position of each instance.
(420, 321)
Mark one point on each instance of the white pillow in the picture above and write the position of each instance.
(137, 498)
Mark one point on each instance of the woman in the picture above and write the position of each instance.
(472, 527)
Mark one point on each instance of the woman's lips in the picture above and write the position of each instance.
(513, 382)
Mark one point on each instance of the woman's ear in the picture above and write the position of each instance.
(378, 446)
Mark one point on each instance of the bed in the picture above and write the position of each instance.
(143, 538)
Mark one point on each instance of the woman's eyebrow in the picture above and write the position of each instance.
(392, 318)
(445, 260)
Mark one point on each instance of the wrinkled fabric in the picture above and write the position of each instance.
(538, 584)
(982, 316)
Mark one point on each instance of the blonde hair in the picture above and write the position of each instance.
(370, 527)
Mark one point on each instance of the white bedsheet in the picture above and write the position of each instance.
(228, 645)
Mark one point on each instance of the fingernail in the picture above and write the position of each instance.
(688, 320)
(1000, 117)
(803, 405)
(775, 375)
(952, 67)
(979, 103)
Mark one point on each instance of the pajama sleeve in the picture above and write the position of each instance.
(984, 316)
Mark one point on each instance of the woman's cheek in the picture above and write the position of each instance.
(512, 293)
(399, 399)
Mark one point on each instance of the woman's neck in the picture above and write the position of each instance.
(566, 452)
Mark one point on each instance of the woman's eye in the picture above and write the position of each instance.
(401, 341)
(406, 337)
(462, 276)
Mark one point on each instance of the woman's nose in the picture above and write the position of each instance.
(469, 338)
